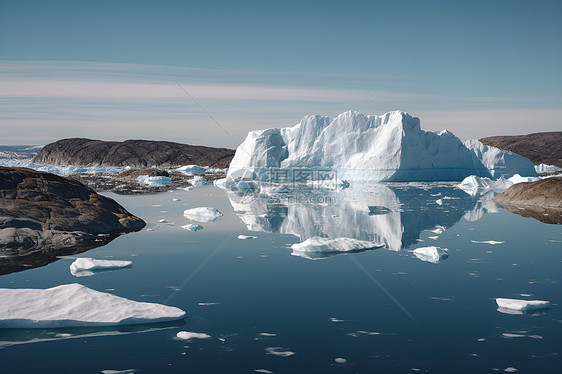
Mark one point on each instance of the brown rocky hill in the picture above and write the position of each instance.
(540, 147)
(133, 153)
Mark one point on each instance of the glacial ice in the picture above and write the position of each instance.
(74, 305)
(192, 227)
(86, 266)
(202, 214)
(431, 254)
(519, 179)
(186, 335)
(243, 237)
(279, 351)
(198, 181)
(158, 181)
(518, 304)
(391, 147)
(474, 185)
(543, 168)
(192, 170)
(314, 247)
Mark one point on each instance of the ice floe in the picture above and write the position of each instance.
(340, 360)
(518, 304)
(198, 181)
(74, 305)
(246, 237)
(279, 351)
(431, 254)
(186, 335)
(192, 227)
(315, 247)
(491, 242)
(192, 170)
(159, 181)
(202, 214)
(86, 266)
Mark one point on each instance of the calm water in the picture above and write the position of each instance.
(381, 310)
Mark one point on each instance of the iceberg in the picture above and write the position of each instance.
(519, 179)
(192, 170)
(517, 304)
(198, 181)
(543, 168)
(89, 266)
(391, 147)
(148, 181)
(186, 335)
(317, 247)
(474, 185)
(431, 254)
(192, 227)
(203, 214)
(243, 237)
(74, 305)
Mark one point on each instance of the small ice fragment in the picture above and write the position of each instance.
(163, 221)
(207, 304)
(510, 369)
(517, 304)
(246, 237)
(126, 371)
(510, 335)
(279, 351)
(192, 227)
(439, 201)
(481, 339)
(535, 337)
(176, 199)
(438, 229)
(340, 360)
(202, 214)
(431, 254)
(185, 335)
(433, 237)
(86, 266)
(158, 181)
(198, 182)
(266, 334)
(492, 242)
(526, 294)
(333, 319)
(265, 371)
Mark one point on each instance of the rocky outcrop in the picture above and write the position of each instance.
(133, 153)
(45, 212)
(541, 200)
(541, 147)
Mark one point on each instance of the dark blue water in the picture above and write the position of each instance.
(381, 310)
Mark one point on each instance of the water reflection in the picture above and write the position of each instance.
(391, 214)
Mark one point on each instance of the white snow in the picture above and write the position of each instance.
(186, 335)
(391, 147)
(431, 254)
(192, 170)
(247, 237)
(86, 266)
(518, 304)
(202, 214)
(158, 181)
(279, 351)
(192, 227)
(74, 305)
(317, 244)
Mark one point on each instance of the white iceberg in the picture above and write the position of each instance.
(74, 305)
(202, 214)
(198, 181)
(221, 183)
(243, 237)
(279, 351)
(518, 304)
(192, 170)
(431, 254)
(519, 179)
(186, 335)
(474, 185)
(543, 168)
(86, 266)
(159, 181)
(391, 147)
(192, 227)
(317, 247)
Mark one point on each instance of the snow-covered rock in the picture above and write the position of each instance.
(74, 305)
(86, 266)
(192, 170)
(202, 214)
(158, 181)
(311, 247)
(192, 227)
(431, 254)
(518, 304)
(391, 147)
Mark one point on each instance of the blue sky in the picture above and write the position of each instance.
(76, 68)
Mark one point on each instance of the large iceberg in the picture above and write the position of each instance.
(86, 266)
(391, 147)
(74, 305)
(317, 247)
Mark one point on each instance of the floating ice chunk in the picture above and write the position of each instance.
(435, 237)
(247, 237)
(317, 244)
(491, 242)
(473, 185)
(439, 201)
(279, 351)
(268, 334)
(74, 305)
(203, 214)
(340, 360)
(207, 304)
(438, 230)
(192, 170)
(221, 183)
(519, 179)
(542, 168)
(265, 371)
(336, 320)
(192, 227)
(198, 181)
(88, 266)
(186, 335)
(159, 181)
(431, 254)
(518, 304)
(510, 369)
(126, 371)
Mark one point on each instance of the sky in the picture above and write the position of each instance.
(207, 72)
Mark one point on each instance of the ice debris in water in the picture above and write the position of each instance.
(186, 335)
(340, 360)
(192, 170)
(246, 237)
(518, 304)
(491, 242)
(86, 266)
(145, 180)
(198, 181)
(74, 305)
(431, 254)
(317, 244)
(202, 214)
(279, 351)
(192, 227)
